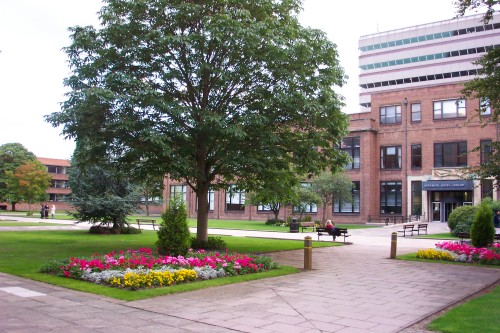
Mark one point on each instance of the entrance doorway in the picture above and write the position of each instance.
(436, 211)
(443, 203)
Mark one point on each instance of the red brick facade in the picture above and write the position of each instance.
(373, 136)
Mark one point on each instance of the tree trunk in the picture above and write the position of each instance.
(276, 214)
(147, 206)
(13, 206)
(202, 216)
(324, 210)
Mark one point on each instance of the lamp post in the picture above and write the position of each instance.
(405, 104)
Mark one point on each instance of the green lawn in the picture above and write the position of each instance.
(479, 315)
(247, 225)
(445, 235)
(26, 224)
(23, 252)
(216, 224)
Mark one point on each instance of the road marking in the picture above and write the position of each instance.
(22, 292)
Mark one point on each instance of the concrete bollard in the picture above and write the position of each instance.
(308, 253)
(394, 244)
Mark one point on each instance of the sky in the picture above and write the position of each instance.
(33, 65)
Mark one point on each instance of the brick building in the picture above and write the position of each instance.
(414, 132)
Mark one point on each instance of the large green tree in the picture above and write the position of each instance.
(486, 87)
(12, 155)
(206, 91)
(29, 182)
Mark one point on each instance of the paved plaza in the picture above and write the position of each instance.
(354, 288)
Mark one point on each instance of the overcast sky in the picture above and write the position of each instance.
(32, 65)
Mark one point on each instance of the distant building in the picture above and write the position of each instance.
(415, 132)
(59, 186)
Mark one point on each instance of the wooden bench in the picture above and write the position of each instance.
(340, 232)
(421, 227)
(465, 235)
(407, 228)
(146, 222)
(305, 225)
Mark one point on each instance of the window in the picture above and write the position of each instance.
(390, 114)
(416, 113)
(211, 199)
(454, 108)
(57, 197)
(485, 108)
(452, 154)
(59, 184)
(349, 207)
(235, 198)
(308, 207)
(416, 198)
(179, 190)
(486, 188)
(486, 151)
(416, 156)
(352, 148)
(56, 169)
(265, 208)
(390, 197)
(390, 157)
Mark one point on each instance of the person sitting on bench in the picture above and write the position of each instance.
(331, 229)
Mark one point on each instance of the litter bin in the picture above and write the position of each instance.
(294, 225)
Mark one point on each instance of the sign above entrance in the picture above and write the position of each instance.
(448, 185)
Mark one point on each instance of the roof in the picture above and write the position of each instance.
(54, 161)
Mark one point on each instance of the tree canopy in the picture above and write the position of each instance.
(332, 187)
(102, 195)
(29, 182)
(12, 155)
(209, 92)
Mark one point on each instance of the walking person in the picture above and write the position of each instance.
(496, 222)
(42, 211)
(53, 211)
(46, 211)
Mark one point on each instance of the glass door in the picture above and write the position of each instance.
(436, 211)
(448, 208)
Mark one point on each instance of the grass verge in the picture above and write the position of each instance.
(478, 315)
(23, 252)
(27, 224)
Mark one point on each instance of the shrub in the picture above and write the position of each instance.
(213, 243)
(129, 230)
(104, 230)
(173, 236)
(482, 232)
(99, 230)
(274, 222)
(307, 218)
(463, 215)
(53, 266)
(462, 227)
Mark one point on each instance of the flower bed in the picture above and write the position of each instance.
(454, 251)
(136, 269)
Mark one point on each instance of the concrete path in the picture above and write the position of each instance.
(353, 288)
